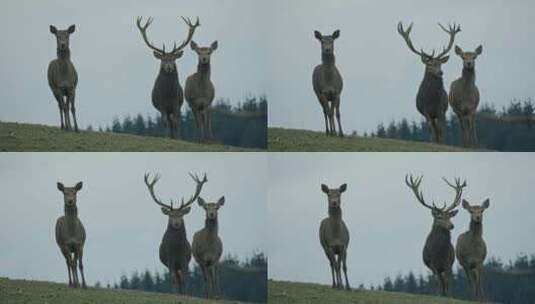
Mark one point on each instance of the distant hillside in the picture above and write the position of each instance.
(29, 137)
(304, 140)
(306, 293)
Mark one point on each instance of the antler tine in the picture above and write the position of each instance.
(452, 31)
(150, 185)
(198, 189)
(405, 34)
(143, 30)
(414, 184)
(458, 192)
(191, 31)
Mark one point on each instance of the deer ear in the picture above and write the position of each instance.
(317, 35)
(479, 50)
(53, 29)
(336, 34)
(157, 55)
(444, 59)
(71, 29)
(324, 188)
(486, 203)
(466, 205)
(214, 45)
(186, 210)
(165, 211)
(343, 188)
(200, 201)
(78, 186)
(458, 50)
(179, 54)
(60, 187)
(193, 45)
(453, 213)
(221, 201)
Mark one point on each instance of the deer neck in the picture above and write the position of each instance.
(327, 59)
(211, 226)
(441, 233)
(64, 54)
(335, 213)
(204, 70)
(469, 76)
(71, 211)
(476, 229)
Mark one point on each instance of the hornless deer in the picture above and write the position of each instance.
(62, 77)
(167, 94)
(70, 234)
(175, 250)
(432, 100)
(328, 83)
(438, 253)
(464, 95)
(200, 90)
(334, 236)
(471, 248)
(207, 246)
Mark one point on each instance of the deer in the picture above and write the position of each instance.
(200, 90)
(438, 253)
(167, 94)
(464, 95)
(207, 246)
(63, 78)
(328, 84)
(70, 234)
(471, 249)
(334, 236)
(175, 249)
(432, 100)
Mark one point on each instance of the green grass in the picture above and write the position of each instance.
(297, 293)
(29, 137)
(29, 292)
(303, 140)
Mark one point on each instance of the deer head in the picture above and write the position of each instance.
(204, 52)
(62, 36)
(441, 215)
(433, 64)
(334, 195)
(469, 58)
(69, 193)
(175, 214)
(327, 42)
(167, 59)
(476, 212)
(211, 208)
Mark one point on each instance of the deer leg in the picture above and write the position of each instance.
(325, 107)
(441, 126)
(178, 122)
(74, 263)
(443, 276)
(331, 119)
(330, 256)
(477, 279)
(205, 277)
(179, 281)
(340, 132)
(59, 99)
(473, 132)
(70, 101)
(209, 125)
(344, 261)
(81, 265)
(66, 114)
(67, 256)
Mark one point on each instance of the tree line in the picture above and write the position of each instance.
(510, 129)
(243, 125)
(512, 282)
(241, 281)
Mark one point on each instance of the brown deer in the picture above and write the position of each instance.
(207, 246)
(62, 77)
(175, 250)
(327, 83)
(432, 100)
(167, 94)
(200, 90)
(70, 234)
(438, 253)
(464, 96)
(471, 248)
(334, 236)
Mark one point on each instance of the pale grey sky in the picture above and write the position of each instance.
(388, 226)
(116, 69)
(124, 226)
(381, 76)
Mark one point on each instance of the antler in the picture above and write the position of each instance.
(458, 192)
(150, 185)
(414, 184)
(191, 30)
(405, 34)
(143, 30)
(199, 183)
(452, 31)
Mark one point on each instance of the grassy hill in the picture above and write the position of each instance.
(303, 140)
(289, 292)
(29, 292)
(29, 137)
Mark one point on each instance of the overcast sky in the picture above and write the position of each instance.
(381, 76)
(124, 226)
(116, 69)
(387, 225)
